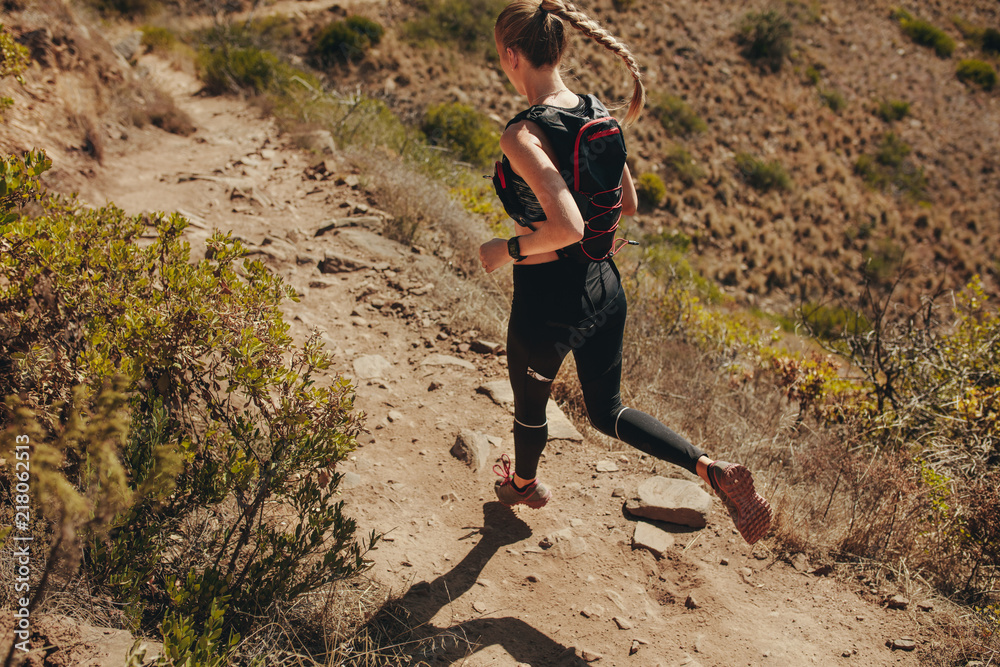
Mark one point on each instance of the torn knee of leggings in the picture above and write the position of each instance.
(535, 375)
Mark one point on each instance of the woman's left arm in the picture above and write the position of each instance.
(630, 201)
(563, 226)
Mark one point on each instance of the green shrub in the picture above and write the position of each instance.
(890, 168)
(346, 41)
(158, 388)
(459, 127)
(763, 175)
(676, 116)
(467, 24)
(978, 72)
(241, 69)
(13, 59)
(19, 183)
(892, 110)
(833, 99)
(813, 74)
(991, 40)
(681, 164)
(126, 7)
(157, 39)
(650, 189)
(926, 34)
(832, 322)
(766, 38)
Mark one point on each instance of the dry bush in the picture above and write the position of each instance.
(426, 216)
(159, 109)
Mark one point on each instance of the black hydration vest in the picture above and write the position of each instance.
(591, 154)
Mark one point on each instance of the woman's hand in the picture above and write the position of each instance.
(493, 254)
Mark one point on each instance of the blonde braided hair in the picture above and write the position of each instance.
(536, 30)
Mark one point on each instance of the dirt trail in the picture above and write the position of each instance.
(470, 569)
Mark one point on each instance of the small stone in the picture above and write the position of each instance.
(691, 603)
(450, 497)
(350, 480)
(746, 572)
(634, 648)
(395, 416)
(925, 606)
(533, 578)
(464, 347)
(590, 656)
(671, 500)
(619, 492)
(724, 561)
(594, 611)
(897, 602)
(623, 623)
(372, 366)
(903, 644)
(480, 607)
(845, 654)
(606, 466)
(473, 448)
(434, 386)
(648, 536)
(485, 347)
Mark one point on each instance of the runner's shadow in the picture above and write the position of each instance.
(424, 600)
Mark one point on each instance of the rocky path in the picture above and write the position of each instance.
(495, 587)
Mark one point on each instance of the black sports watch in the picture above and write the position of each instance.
(514, 248)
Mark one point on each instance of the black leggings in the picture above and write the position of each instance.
(562, 307)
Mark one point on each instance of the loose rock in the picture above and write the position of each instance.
(903, 644)
(446, 360)
(671, 500)
(897, 602)
(691, 603)
(656, 540)
(606, 466)
(623, 623)
(371, 366)
(473, 448)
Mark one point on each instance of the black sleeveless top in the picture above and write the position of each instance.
(562, 139)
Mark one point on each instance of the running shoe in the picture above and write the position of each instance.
(536, 495)
(734, 485)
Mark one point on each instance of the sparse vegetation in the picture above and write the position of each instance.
(763, 175)
(650, 189)
(891, 168)
(129, 8)
(468, 24)
(925, 33)
(158, 39)
(471, 134)
(834, 99)
(991, 41)
(346, 41)
(892, 110)
(766, 38)
(977, 72)
(675, 115)
(814, 74)
(680, 163)
(13, 60)
(160, 393)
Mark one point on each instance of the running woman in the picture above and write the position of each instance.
(562, 303)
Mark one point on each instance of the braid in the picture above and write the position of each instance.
(592, 29)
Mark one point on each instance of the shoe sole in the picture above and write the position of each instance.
(753, 512)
